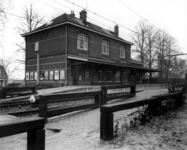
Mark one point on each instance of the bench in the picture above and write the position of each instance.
(34, 128)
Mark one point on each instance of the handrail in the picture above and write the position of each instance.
(33, 127)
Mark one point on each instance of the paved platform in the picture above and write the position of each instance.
(75, 131)
(4, 117)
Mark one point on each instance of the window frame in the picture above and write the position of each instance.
(109, 75)
(87, 74)
(27, 76)
(82, 38)
(105, 47)
(122, 52)
(100, 73)
(31, 74)
(119, 76)
(56, 72)
(50, 74)
(62, 74)
(36, 46)
(46, 76)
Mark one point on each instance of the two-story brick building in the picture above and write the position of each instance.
(3, 77)
(73, 51)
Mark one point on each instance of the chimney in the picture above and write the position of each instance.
(83, 16)
(116, 30)
(72, 15)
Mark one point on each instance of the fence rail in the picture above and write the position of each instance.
(19, 91)
(107, 116)
(33, 127)
(44, 99)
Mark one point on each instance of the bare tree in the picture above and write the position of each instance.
(139, 39)
(29, 21)
(3, 16)
(10, 67)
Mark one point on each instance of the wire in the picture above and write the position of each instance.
(149, 21)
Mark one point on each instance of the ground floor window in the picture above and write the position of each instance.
(56, 74)
(99, 75)
(62, 74)
(46, 75)
(87, 75)
(126, 76)
(109, 76)
(31, 76)
(118, 76)
(51, 75)
(27, 76)
(41, 75)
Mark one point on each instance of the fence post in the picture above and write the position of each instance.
(133, 89)
(106, 126)
(36, 140)
(104, 95)
(97, 98)
(43, 107)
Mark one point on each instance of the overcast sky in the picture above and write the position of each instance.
(167, 15)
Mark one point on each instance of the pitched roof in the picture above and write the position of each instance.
(65, 18)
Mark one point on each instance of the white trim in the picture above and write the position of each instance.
(77, 58)
(77, 26)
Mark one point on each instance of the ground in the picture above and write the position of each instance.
(167, 131)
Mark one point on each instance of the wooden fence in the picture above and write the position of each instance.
(16, 91)
(106, 97)
(107, 119)
(33, 127)
(45, 112)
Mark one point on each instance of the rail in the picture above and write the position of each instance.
(107, 116)
(33, 127)
(44, 99)
(19, 91)
(106, 97)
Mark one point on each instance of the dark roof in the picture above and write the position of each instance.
(65, 18)
(2, 67)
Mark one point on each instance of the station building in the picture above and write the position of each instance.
(72, 51)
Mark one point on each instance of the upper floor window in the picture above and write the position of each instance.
(82, 41)
(36, 46)
(122, 52)
(105, 47)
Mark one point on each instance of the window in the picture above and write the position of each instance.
(122, 52)
(82, 41)
(56, 74)
(36, 46)
(109, 76)
(117, 76)
(62, 74)
(27, 75)
(51, 75)
(35, 75)
(87, 75)
(105, 47)
(126, 76)
(41, 75)
(46, 74)
(0, 73)
(31, 76)
(99, 75)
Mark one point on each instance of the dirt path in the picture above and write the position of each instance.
(167, 131)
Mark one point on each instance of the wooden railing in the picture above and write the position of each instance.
(106, 97)
(44, 99)
(33, 127)
(16, 91)
(107, 119)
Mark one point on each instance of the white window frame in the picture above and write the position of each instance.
(46, 74)
(35, 75)
(31, 75)
(56, 75)
(51, 74)
(27, 76)
(36, 46)
(105, 47)
(122, 52)
(62, 74)
(82, 41)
